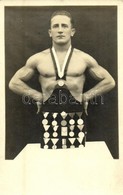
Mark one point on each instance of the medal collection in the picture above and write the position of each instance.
(62, 130)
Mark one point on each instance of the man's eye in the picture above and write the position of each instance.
(65, 26)
(55, 26)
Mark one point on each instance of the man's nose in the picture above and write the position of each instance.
(60, 29)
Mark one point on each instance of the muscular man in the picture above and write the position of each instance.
(61, 101)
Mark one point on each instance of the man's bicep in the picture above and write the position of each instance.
(24, 74)
(98, 72)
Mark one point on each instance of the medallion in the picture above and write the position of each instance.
(64, 114)
(71, 121)
(81, 134)
(80, 121)
(80, 127)
(55, 134)
(71, 134)
(63, 122)
(54, 140)
(72, 146)
(55, 115)
(54, 123)
(64, 131)
(79, 114)
(60, 83)
(46, 134)
(45, 114)
(72, 127)
(46, 140)
(46, 147)
(72, 140)
(55, 128)
(64, 146)
(54, 147)
(46, 127)
(44, 121)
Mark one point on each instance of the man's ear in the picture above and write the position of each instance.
(49, 32)
(73, 32)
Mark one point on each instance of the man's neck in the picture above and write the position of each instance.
(61, 48)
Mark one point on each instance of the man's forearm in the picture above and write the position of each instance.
(102, 87)
(23, 89)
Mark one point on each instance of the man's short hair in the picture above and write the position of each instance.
(63, 13)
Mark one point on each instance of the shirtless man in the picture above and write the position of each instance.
(61, 100)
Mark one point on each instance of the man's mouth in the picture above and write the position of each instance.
(60, 36)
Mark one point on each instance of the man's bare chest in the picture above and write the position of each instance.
(75, 67)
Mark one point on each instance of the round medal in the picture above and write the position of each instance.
(46, 147)
(46, 134)
(54, 147)
(44, 121)
(54, 123)
(63, 122)
(60, 83)
(71, 134)
(81, 134)
(80, 121)
(55, 134)
(72, 146)
(71, 121)
(64, 146)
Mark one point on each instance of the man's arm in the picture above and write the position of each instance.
(17, 83)
(106, 81)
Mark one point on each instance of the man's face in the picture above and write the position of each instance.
(61, 29)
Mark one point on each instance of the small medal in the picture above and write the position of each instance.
(63, 122)
(46, 134)
(79, 114)
(54, 123)
(71, 121)
(44, 121)
(80, 121)
(46, 147)
(71, 134)
(72, 140)
(60, 83)
(72, 127)
(54, 140)
(54, 147)
(72, 146)
(64, 131)
(45, 114)
(80, 127)
(71, 114)
(64, 114)
(55, 115)
(46, 127)
(55, 128)
(80, 139)
(81, 134)
(55, 134)
(46, 140)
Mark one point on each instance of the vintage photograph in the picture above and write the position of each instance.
(61, 97)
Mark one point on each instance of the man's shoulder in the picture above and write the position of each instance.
(81, 53)
(40, 54)
(87, 57)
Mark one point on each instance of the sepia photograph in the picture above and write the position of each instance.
(61, 102)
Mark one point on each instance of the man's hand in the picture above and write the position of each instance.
(39, 104)
(85, 101)
(86, 107)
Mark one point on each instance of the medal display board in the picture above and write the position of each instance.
(62, 130)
